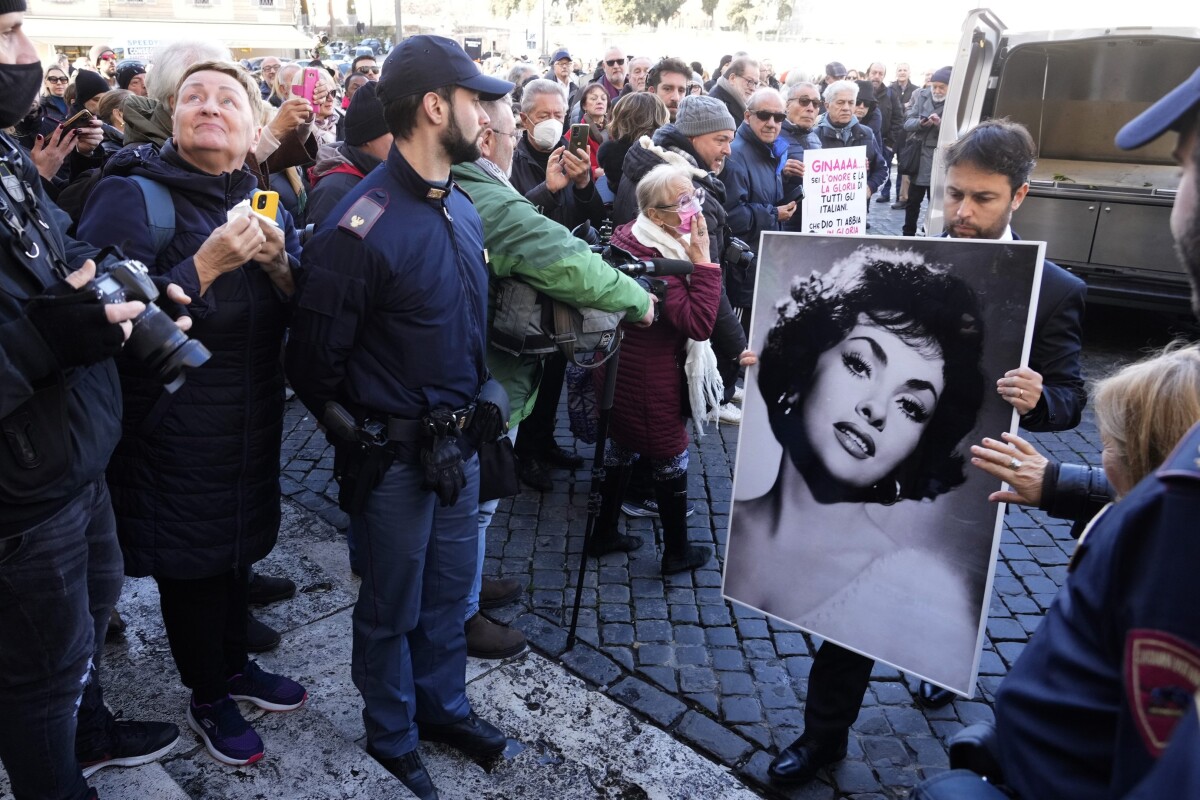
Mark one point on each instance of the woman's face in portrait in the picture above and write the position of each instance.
(872, 397)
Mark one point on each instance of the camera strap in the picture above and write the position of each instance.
(19, 195)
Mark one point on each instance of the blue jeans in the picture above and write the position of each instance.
(487, 510)
(410, 648)
(958, 784)
(59, 581)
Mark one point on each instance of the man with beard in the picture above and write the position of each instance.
(105, 61)
(1101, 703)
(60, 411)
(523, 244)
(987, 178)
(668, 79)
(924, 122)
(613, 79)
(391, 324)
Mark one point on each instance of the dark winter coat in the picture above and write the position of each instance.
(54, 108)
(195, 478)
(668, 147)
(924, 106)
(854, 134)
(648, 406)
(735, 104)
(892, 111)
(798, 140)
(612, 158)
(569, 206)
(339, 168)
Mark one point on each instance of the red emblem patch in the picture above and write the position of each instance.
(1162, 672)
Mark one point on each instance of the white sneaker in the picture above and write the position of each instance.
(729, 414)
(739, 394)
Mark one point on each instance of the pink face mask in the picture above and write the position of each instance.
(688, 209)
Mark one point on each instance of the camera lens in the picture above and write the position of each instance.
(163, 348)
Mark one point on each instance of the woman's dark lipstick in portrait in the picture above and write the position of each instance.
(855, 441)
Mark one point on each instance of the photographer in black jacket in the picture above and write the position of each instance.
(60, 409)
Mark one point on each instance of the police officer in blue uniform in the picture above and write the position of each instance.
(391, 332)
(1101, 702)
(60, 418)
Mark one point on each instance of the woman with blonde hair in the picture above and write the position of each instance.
(1142, 412)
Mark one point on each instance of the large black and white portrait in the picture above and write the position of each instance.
(856, 514)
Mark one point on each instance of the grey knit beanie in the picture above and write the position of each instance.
(701, 114)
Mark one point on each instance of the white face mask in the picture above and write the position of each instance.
(547, 133)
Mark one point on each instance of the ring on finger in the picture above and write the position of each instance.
(1015, 464)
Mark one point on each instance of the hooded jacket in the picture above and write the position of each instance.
(195, 477)
(339, 168)
(855, 134)
(521, 243)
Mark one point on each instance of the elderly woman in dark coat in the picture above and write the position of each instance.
(195, 478)
(649, 407)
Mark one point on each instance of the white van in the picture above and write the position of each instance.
(1103, 212)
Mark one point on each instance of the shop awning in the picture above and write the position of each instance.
(137, 35)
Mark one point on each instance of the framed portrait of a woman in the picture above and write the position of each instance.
(856, 515)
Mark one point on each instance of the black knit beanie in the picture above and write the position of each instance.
(364, 118)
(9, 6)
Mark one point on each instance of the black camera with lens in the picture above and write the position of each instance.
(736, 255)
(155, 340)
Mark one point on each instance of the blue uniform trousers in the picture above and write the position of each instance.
(59, 581)
(410, 649)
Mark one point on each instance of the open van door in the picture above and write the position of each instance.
(981, 42)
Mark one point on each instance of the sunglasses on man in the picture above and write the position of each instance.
(806, 101)
(615, 62)
(764, 116)
(368, 70)
(107, 57)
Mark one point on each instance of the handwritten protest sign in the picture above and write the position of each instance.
(835, 191)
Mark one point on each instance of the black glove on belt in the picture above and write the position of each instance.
(442, 459)
(75, 328)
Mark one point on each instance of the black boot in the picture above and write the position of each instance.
(605, 538)
(678, 555)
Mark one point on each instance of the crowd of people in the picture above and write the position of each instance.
(409, 193)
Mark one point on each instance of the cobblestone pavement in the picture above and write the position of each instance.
(720, 676)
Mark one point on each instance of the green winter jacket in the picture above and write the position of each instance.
(522, 243)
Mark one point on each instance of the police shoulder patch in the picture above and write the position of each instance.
(362, 216)
(1162, 672)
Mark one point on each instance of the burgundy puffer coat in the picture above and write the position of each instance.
(648, 406)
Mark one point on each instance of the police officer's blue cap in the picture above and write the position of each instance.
(425, 63)
(1172, 112)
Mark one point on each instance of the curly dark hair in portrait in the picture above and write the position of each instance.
(929, 309)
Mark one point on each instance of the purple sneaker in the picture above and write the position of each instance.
(265, 690)
(228, 737)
